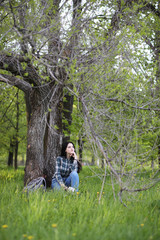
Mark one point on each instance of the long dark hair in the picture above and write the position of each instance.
(64, 154)
(63, 150)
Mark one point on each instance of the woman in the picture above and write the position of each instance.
(66, 176)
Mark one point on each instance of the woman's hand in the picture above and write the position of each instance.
(64, 187)
(74, 155)
(71, 189)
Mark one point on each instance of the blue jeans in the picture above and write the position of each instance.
(71, 181)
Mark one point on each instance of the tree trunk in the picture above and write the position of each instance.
(43, 136)
(67, 115)
(16, 155)
(35, 134)
(80, 143)
(159, 151)
(93, 160)
(10, 155)
(17, 131)
(53, 136)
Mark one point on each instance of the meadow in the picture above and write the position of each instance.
(60, 215)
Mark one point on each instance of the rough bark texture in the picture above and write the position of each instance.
(53, 135)
(44, 135)
(36, 126)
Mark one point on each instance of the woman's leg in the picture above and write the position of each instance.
(73, 180)
(55, 185)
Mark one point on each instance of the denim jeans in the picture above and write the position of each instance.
(71, 181)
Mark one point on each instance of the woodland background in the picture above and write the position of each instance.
(88, 71)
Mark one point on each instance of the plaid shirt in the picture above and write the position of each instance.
(63, 168)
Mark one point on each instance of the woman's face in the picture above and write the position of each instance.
(70, 149)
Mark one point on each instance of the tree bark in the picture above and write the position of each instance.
(16, 154)
(44, 135)
(80, 143)
(17, 131)
(67, 115)
(10, 155)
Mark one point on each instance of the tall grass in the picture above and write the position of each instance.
(60, 215)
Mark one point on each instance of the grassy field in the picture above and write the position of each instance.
(50, 215)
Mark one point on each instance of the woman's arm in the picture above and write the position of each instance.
(57, 171)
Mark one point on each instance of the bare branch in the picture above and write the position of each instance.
(97, 142)
(144, 188)
(104, 179)
(134, 107)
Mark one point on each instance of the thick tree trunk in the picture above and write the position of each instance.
(35, 158)
(44, 135)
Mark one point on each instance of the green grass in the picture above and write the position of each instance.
(61, 215)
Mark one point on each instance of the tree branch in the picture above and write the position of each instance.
(144, 188)
(13, 65)
(14, 81)
(96, 139)
(134, 107)
(151, 7)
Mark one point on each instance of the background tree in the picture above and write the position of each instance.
(12, 123)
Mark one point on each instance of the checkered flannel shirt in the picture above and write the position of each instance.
(63, 168)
